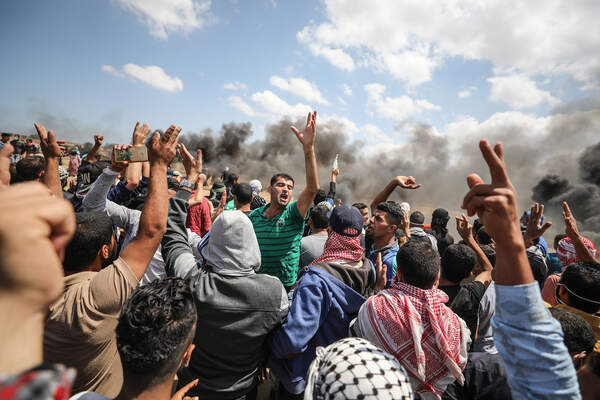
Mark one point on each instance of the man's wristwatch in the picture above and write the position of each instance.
(185, 184)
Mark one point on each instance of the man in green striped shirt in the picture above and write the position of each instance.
(279, 225)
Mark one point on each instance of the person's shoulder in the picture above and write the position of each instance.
(257, 212)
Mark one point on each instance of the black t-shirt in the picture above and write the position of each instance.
(464, 301)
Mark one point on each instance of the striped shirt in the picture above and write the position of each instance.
(279, 239)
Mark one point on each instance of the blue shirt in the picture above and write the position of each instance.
(530, 341)
(388, 257)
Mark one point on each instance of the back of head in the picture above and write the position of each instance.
(490, 253)
(582, 281)
(94, 229)
(319, 216)
(319, 197)
(457, 262)
(483, 237)
(439, 220)
(538, 267)
(30, 169)
(155, 329)
(578, 334)
(393, 210)
(242, 192)
(419, 264)
(354, 368)
(417, 218)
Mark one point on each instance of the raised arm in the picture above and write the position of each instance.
(406, 182)
(332, 183)
(572, 232)
(134, 170)
(153, 221)
(52, 150)
(525, 333)
(465, 230)
(91, 155)
(176, 251)
(307, 139)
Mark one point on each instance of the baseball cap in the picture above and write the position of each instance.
(346, 220)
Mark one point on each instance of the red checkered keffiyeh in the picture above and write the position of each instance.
(416, 327)
(566, 252)
(341, 248)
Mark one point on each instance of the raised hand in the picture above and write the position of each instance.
(407, 182)
(162, 148)
(308, 135)
(570, 224)
(140, 133)
(495, 203)
(119, 166)
(534, 224)
(380, 273)
(5, 153)
(51, 148)
(193, 167)
(98, 140)
(464, 228)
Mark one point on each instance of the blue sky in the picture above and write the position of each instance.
(98, 66)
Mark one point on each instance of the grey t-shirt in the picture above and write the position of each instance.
(312, 248)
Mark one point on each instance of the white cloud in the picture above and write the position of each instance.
(235, 86)
(410, 40)
(277, 107)
(397, 108)
(111, 70)
(463, 94)
(154, 76)
(347, 90)
(239, 104)
(341, 100)
(165, 16)
(300, 87)
(374, 134)
(519, 92)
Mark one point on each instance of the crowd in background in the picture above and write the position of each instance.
(123, 280)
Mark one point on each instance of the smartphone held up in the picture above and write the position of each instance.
(131, 154)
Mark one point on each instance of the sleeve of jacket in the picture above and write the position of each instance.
(176, 252)
(530, 342)
(306, 314)
(331, 194)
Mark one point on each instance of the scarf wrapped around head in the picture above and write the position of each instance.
(353, 368)
(566, 252)
(424, 335)
(341, 248)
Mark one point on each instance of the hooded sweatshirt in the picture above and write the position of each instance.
(320, 314)
(237, 308)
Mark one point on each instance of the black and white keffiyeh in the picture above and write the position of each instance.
(353, 368)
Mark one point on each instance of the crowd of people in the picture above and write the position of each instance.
(122, 280)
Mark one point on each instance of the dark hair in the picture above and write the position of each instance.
(399, 234)
(257, 202)
(230, 178)
(490, 253)
(29, 169)
(155, 328)
(457, 262)
(242, 192)
(439, 222)
(558, 238)
(582, 279)
(419, 264)
(360, 206)
(94, 229)
(417, 218)
(483, 237)
(577, 333)
(538, 268)
(319, 217)
(393, 210)
(319, 197)
(281, 175)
